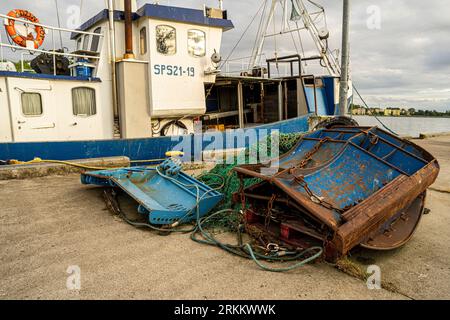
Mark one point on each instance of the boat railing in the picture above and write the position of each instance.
(54, 53)
(240, 66)
(237, 66)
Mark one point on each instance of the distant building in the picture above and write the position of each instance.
(375, 111)
(359, 111)
(395, 112)
(405, 112)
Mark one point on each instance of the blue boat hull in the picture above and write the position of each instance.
(135, 149)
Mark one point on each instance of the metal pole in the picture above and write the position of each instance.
(240, 93)
(256, 52)
(2, 58)
(112, 46)
(280, 101)
(343, 91)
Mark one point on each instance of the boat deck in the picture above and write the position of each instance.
(51, 223)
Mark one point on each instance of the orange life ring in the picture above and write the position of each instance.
(22, 40)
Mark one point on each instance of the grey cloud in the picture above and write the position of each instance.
(406, 62)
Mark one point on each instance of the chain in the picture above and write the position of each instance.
(308, 157)
(315, 198)
(269, 211)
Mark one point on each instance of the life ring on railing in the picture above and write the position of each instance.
(20, 39)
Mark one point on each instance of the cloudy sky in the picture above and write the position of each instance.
(400, 49)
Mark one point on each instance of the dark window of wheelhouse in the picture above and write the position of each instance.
(196, 43)
(84, 102)
(79, 43)
(96, 40)
(86, 42)
(31, 104)
(143, 41)
(166, 40)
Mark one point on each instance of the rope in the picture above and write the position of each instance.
(292, 267)
(367, 108)
(245, 251)
(77, 165)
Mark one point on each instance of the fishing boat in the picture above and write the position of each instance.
(142, 82)
(137, 78)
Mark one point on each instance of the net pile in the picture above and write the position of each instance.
(223, 174)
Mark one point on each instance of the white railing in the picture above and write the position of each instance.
(234, 67)
(53, 52)
(238, 65)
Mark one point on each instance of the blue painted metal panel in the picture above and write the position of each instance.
(321, 100)
(328, 82)
(344, 166)
(162, 199)
(348, 179)
(30, 75)
(347, 165)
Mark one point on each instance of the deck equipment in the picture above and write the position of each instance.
(164, 194)
(339, 188)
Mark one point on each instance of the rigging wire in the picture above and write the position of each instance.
(367, 108)
(259, 33)
(242, 35)
(59, 24)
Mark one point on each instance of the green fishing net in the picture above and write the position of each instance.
(222, 175)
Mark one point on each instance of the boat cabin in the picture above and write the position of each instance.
(144, 72)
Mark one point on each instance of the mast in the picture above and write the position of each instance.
(317, 35)
(112, 46)
(257, 49)
(343, 90)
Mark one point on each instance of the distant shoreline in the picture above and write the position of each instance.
(383, 116)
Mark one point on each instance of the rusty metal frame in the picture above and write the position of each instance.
(356, 223)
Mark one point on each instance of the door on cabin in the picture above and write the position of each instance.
(33, 111)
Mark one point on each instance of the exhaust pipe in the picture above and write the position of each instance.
(129, 54)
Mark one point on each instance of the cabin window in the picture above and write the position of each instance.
(86, 42)
(79, 43)
(31, 104)
(196, 43)
(83, 102)
(143, 41)
(166, 40)
(96, 40)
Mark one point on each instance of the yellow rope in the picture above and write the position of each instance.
(77, 165)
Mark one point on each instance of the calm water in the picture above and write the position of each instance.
(408, 126)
